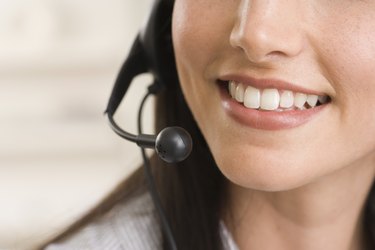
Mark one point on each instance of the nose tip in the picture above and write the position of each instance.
(257, 46)
(266, 31)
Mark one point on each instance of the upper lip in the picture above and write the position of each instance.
(268, 83)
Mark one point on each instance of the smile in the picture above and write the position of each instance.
(270, 104)
(272, 99)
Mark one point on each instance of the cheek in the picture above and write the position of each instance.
(347, 55)
(199, 37)
(198, 33)
(346, 47)
(349, 59)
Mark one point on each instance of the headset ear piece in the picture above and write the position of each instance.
(152, 51)
(156, 38)
(135, 64)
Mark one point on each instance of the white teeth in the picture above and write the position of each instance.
(252, 98)
(270, 99)
(240, 92)
(312, 100)
(286, 99)
(300, 100)
(232, 88)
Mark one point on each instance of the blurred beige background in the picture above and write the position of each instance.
(58, 157)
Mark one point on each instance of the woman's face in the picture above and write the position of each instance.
(277, 54)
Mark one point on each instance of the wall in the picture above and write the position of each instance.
(58, 157)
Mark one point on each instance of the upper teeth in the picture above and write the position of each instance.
(273, 99)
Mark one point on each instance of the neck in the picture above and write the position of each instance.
(325, 214)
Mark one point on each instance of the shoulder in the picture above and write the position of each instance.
(129, 225)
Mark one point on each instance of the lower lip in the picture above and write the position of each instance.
(267, 120)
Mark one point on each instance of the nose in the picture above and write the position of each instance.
(268, 29)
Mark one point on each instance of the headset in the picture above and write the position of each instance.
(152, 52)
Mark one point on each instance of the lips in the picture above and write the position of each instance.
(270, 104)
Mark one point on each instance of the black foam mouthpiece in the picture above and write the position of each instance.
(172, 144)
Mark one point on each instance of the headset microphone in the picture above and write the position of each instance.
(172, 144)
(149, 53)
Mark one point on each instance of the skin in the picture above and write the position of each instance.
(299, 188)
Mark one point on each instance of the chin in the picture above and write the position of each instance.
(264, 173)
